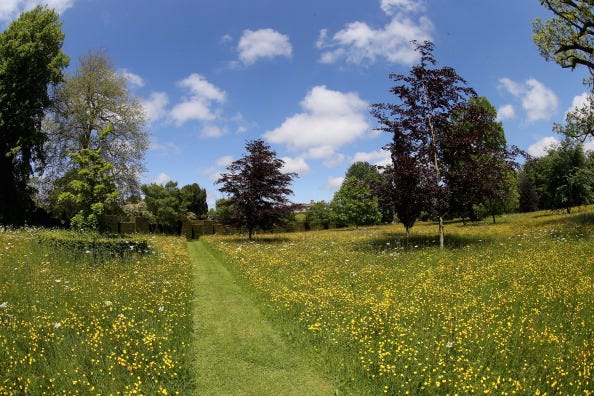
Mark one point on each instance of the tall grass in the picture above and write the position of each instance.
(505, 309)
(71, 325)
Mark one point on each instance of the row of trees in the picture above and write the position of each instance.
(83, 137)
(72, 145)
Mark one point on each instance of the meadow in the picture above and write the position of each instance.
(73, 324)
(505, 309)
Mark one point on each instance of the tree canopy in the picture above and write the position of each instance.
(31, 63)
(419, 123)
(568, 37)
(257, 188)
(355, 204)
(92, 193)
(92, 98)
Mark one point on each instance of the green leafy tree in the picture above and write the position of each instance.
(579, 122)
(563, 178)
(31, 63)
(257, 188)
(92, 193)
(568, 37)
(355, 204)
(164, 202)
(318, 215)
(194, 200)
(528, 197)
(95, 96)
(224, 211)
(379, 185)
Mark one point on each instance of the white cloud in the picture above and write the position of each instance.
(165, 148)
(10, 9)
(329, 120)
(579, 102)
(224, 161)
(212, 131)
(227, 38)
(358, 43)
(131, 78)
(391, 7)
(539, 148)
(539, 101)
(202, 89)
(198, 105)
(334, 183)
(263, 43)
(378, 157)
(162, 178)
(297, 165)
(506, 112)
(154, 106)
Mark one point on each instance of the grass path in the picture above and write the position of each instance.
(238, 351)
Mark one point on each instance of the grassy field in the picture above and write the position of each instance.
(504, 309)
(72, 325)
(238, 351)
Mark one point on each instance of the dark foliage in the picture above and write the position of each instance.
(31, 62)
(257, 188)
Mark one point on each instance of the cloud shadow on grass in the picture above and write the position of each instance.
(399, 241)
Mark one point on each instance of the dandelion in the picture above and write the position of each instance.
(57, 325)
(107, 303)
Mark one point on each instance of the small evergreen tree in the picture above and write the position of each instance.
(92, 193)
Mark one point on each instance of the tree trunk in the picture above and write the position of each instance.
(493, 219)
(441, 238)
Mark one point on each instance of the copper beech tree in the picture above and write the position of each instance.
(257, 188)
(440, 135)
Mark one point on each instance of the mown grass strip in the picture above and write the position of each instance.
(238, 350)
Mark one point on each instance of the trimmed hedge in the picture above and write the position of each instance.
(95, 246)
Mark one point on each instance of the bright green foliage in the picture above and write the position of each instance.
(164, 203)
(563, 178)
(318, 215)
(92, 193)
(379, 184)
(567, 38)
(579, 122)
(31, 60)
(168, 204)
(354, 204)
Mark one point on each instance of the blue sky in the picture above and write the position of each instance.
(212, 74)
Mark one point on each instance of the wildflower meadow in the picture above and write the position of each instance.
(70, 324)
(505, 309)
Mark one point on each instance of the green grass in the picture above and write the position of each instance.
(238, 352)
(72, 325)
(504, 309)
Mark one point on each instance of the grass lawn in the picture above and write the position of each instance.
(506, 308)
(237, 350)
